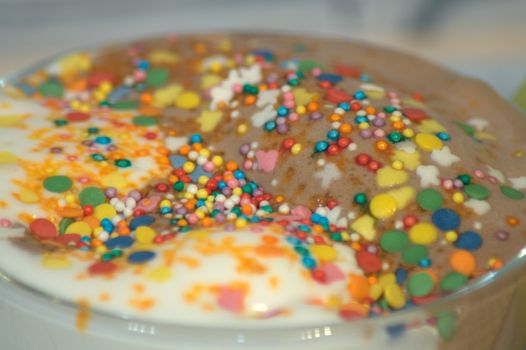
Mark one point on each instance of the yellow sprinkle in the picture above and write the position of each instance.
(375, 292)
(165, 203)
(202, 194)
(104, 211)
(302, 96)
(217, 160)
(80, 227)
(398, 165)
(411, 160)
(323, 252)
(451, 236)
(55, 262)
(202, 180)
(428, 142)
(189, 167)
(242, 129)
(403, 196)
(28, 196)
(145, 234)
(458, 197)
(394, 296)
(423, 233)
(518, 154)
(187, 100)
(159, 274)
(101, 249)
(114, 180)
(364, 225)
(408, 133)
(296, 148)
(301, 110)
(237, 191)
(163, 57)
(387, 279)
(430, 126)
(241, 223)
(389, 177)
(209, 80)
(364, 126)
(383, 206)
(11, 120)
(209, 120)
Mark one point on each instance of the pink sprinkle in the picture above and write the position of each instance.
(447, 184)
(288, 104)
(267, 160)
(237, 88)
(139, 75)
(72, 158)
(230, 299)
(232, 183)
(293, 117)
(381, 115)
(193, 219)
(288, 96)
(247, 164)
(5, 223)
(332, 273)
(379, 133)
(208, 166)
(301, 212)
(492, 179)
(479, 173)
(316, 71)
(83, 179)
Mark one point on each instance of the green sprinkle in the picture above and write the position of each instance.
(144, 121)
(465, 178)
(60, 122)
(51, 88)
(125, 104)
(446, 323)
(123, 163)
(336, 236)
(511, 193)
(92, 196)
(453, 281)
(247, 189)
(63, 225)
(157, 77)
(107, 256)
(420, 284)
(394, 241)
(413, 253)
(58, 184)
(389, 109)
(430, 199)
(178, 186)
(93, 130)
(476, 191)
(469, 130)
(360, 198)
(306, 66)
(116, 252)
(395, 137)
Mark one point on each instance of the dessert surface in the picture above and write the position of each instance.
(215, 179)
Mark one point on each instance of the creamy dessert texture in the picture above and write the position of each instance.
(216, 179)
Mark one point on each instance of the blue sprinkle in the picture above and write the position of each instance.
(119, 242)
(304, 228)
(86, 239)
(239, 174)
(359, 95)
(102, 140)
(469, 240)
(308, 262)
(107, 225)
(143, 64)
(361, 119)
(196, 138)
(177, 161)
(365, 78)
(443, 136)
(321, 146)
(445, 219)
(333, 134)
(255, 219)
(144, 220)
(315, 218)
(283, 111)
(140, 257)
(424, 263)
(27, 89)
(395, 331)
(166, 210)
(331, 78)
(401, 275)
(270, 125)
(221, 184)
(324, 221)
(266, 54)
(293, 240)
(345, 106)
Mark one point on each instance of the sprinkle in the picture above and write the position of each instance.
(394, 241)
(102, 268)
(445, 219)
(469, 240)
(57, 184)
(476, 191)
(43, 229)
(428, 142)
(453, 281)
(145, 234)
(368, 262)
(423, 233)
(187, 100)
(414, 253)
(429, 199)
(142, 120)
(141, 257)
(383, 206)
(119, 242)
(91, 196)
(420, 284)
(511, 193)
(394, 296)
(157, 77)
(463, 262)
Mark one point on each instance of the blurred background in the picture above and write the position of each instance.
(481, 38)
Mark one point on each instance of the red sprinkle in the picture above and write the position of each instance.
(414, 114)
(102, 268)
(77, 116)
(369, 262)
(43, 229)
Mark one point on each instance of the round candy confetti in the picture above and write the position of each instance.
(102, 268)
(420, 284)
(144, 220)
(445, 219)
(394, 241)
(157, 77)
(394, 296)
(105, 211)
(119, 242)
(368, 262)
(469, 240)
(423, 233)
(428, 142)
(383, 206)
(511, 193)
(77, 117)
(141, 257)
(187, 100)
(43, 229)
(91, 196)
(145, 121)
(145, 234)
(430, 199)
(476, 191)
(414, 253)
(414, 114)
(57, 183)
(463, 262)
(453, 281)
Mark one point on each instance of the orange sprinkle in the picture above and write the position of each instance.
(146, 98)
(345, 128)
(249, 100)
(398, 125)
(231, 166)
(273, 281)
(246, 209)
(358, 287)
(184, 150)
(313, 106)
(335, 117)
(512, 220)
(370, 110)
(463, 262)
(96, 242)
(197, 146)
(83, 315)
(381, 145)
(267, 251)
(104, 297)
(280, 198)
(356, 246)
(267, 239)
(142, 304)
(207, 222)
